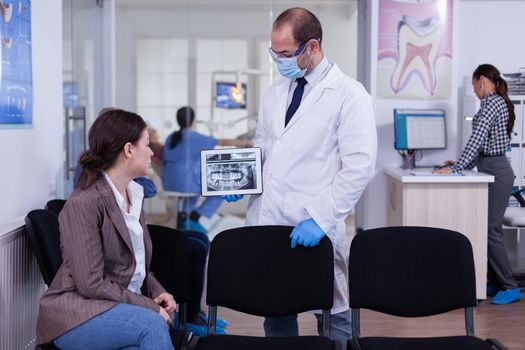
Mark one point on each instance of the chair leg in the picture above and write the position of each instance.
(495, 344)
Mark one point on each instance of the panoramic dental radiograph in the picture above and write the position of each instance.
(230, 176)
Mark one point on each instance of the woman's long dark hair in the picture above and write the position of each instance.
(492, 73)
(185, 117)
(107, 137)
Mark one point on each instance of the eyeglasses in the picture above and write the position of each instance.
(275, 56)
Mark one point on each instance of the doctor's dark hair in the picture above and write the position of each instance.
(305, 25)
(185, 117)
(492, 73)
(107, 137)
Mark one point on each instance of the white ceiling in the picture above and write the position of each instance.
(229, 4)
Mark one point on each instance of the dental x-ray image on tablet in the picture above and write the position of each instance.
(231, 171)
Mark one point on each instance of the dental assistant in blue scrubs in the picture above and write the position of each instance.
(181, 168)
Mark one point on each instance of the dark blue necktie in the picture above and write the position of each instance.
(296, 99)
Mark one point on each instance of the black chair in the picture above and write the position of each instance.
(254, 270)
(44, 236)
(413, 272)
(55, 205)
(171, 265)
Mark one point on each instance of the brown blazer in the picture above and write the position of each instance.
(98, 264)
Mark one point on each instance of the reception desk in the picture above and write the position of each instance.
(458, 203)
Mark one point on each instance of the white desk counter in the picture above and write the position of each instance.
(458, 203)
(406, 176)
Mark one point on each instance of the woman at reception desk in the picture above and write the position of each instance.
(491, 130)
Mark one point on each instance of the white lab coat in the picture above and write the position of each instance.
(318, 166)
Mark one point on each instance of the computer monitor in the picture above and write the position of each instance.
(230, 95)
(417, 129)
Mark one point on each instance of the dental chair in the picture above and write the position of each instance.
(514, 236)
(173, 201)
(227, 217)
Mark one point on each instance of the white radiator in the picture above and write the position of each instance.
(21, 286)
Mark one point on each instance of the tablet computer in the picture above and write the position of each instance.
(231, 171)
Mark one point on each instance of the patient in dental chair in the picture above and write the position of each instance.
(181, 168)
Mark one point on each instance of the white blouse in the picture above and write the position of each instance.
(136, 195)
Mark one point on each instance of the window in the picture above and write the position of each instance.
(162, 81)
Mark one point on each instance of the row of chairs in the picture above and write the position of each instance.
(401, 271)
(170, 262)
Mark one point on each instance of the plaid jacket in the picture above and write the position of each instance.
(489, 133)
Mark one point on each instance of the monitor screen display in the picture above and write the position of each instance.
(419, 129)
(230, 95)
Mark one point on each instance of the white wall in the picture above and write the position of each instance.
(491, 32)
(484, 32)
(32, 158)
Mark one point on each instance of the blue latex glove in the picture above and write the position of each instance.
(232, 197)
(306, 233)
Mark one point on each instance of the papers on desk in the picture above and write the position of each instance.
(430, 173)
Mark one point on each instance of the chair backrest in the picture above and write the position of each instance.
(55, 205)
(254, 270)
(171, 260)
(44, 235)
(411, 271)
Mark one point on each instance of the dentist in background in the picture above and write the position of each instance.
(318, 138)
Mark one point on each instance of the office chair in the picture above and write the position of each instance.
(171, 265)
(55, 205)
(413, 272)
(44, 237)
(254, 270)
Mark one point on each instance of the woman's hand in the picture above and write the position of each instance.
(444, 170)
(449, 163)
(166, 301)
(165, 316)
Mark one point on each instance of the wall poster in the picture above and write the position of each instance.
(414, 49)
(16, 89)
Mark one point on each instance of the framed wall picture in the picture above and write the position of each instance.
(16, 79)
(231, 171)
(414, 53)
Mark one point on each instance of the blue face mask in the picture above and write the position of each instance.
(289, 68)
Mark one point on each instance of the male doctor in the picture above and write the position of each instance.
(318, 138)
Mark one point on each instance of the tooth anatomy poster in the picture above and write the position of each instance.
(16, 90)
(414, 49)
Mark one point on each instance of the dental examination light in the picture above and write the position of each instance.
(229, 95)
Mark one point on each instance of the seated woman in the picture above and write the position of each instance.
(104, 295)
(181, 168)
